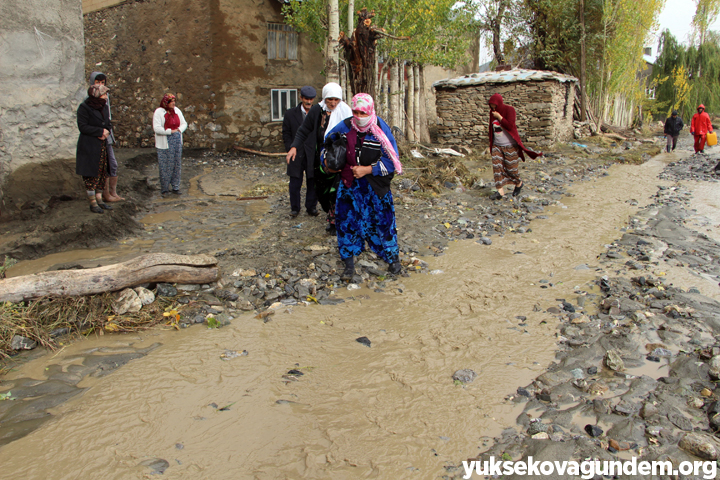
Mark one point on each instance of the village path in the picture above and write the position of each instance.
(388, 411)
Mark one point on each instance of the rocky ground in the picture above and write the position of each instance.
(638, 359)
(269, 259)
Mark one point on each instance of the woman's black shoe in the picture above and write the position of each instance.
(349, 271)
(177, 192)
(105, 206)
(496, 196)
(395, 268)
(96, 209)
(518, 188)
(294, 214)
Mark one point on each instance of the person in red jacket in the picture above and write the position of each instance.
(700, 127)
(505, 147)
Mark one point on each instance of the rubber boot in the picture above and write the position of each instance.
(395, 267)
(112, 183)
(349, 271)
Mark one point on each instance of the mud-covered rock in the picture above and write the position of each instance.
(127, 302)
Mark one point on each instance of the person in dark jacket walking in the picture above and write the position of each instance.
(319, 121)
(91, 159)
(673, 125)
(305, 158)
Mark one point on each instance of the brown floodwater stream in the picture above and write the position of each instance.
(388, 411)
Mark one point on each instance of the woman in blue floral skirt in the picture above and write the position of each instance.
(364, 211)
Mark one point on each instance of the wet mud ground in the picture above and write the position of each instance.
(492, 303)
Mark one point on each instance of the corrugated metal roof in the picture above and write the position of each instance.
(508, 76)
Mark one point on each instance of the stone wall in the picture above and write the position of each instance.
(41, 85)
(212, 54)
(544, 112)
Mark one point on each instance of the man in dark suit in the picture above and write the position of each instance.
(303, 161)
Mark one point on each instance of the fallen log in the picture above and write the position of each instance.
(258, 152)
(615, 136)
(151, 268)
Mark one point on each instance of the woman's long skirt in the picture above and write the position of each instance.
(360, 216)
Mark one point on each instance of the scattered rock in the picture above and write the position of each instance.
(613, 361)
(228, 354)
(363, 341)
(465, 375)
(127, 301)
(166, 290)
(593, 430)
(19, 342)
(157, 465)
(699, 445)
(146, 296)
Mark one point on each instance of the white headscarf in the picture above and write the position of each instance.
(341, 112)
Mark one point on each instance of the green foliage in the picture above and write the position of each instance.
(440, 31)
(615, 33)
(212, 322)
(687, 76)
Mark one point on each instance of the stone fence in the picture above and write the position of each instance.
(544, 112)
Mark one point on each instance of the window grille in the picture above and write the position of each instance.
(282, 42)
(280, 101)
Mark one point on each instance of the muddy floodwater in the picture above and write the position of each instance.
(388, 411)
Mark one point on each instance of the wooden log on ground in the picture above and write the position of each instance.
(151, 268)
(258, 152)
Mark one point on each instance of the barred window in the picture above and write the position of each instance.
(281, 101)
(282, 42)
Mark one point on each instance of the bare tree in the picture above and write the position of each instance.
(332, 55)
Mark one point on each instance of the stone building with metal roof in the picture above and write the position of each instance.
(543, 101)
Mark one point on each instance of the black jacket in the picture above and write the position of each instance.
(306, 151)
(311, 129)
(91, 123)
(673, 126)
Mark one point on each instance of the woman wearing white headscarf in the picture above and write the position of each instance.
(321, 119)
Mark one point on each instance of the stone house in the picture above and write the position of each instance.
(544, 103)
(233, 64)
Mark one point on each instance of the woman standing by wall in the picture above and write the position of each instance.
(169, 125)
(91, 159)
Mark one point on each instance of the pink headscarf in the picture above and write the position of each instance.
(364, 103)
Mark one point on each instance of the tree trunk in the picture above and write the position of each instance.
(151, 268)
(383, 94)
(332, 73)
(376, 90)
(423, 128)
(583, 77)
(416, 101)
(394, 110)
(411, 105)
(495, 25)
(351, 15)
(402, 98)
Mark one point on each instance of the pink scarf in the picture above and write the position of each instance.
(364, 103)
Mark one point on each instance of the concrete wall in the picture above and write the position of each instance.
(41, 86)
(544, 112)
(212, 54)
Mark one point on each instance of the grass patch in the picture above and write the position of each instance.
(80, 315)
(431, 173)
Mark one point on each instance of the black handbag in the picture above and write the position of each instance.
(335, 152)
